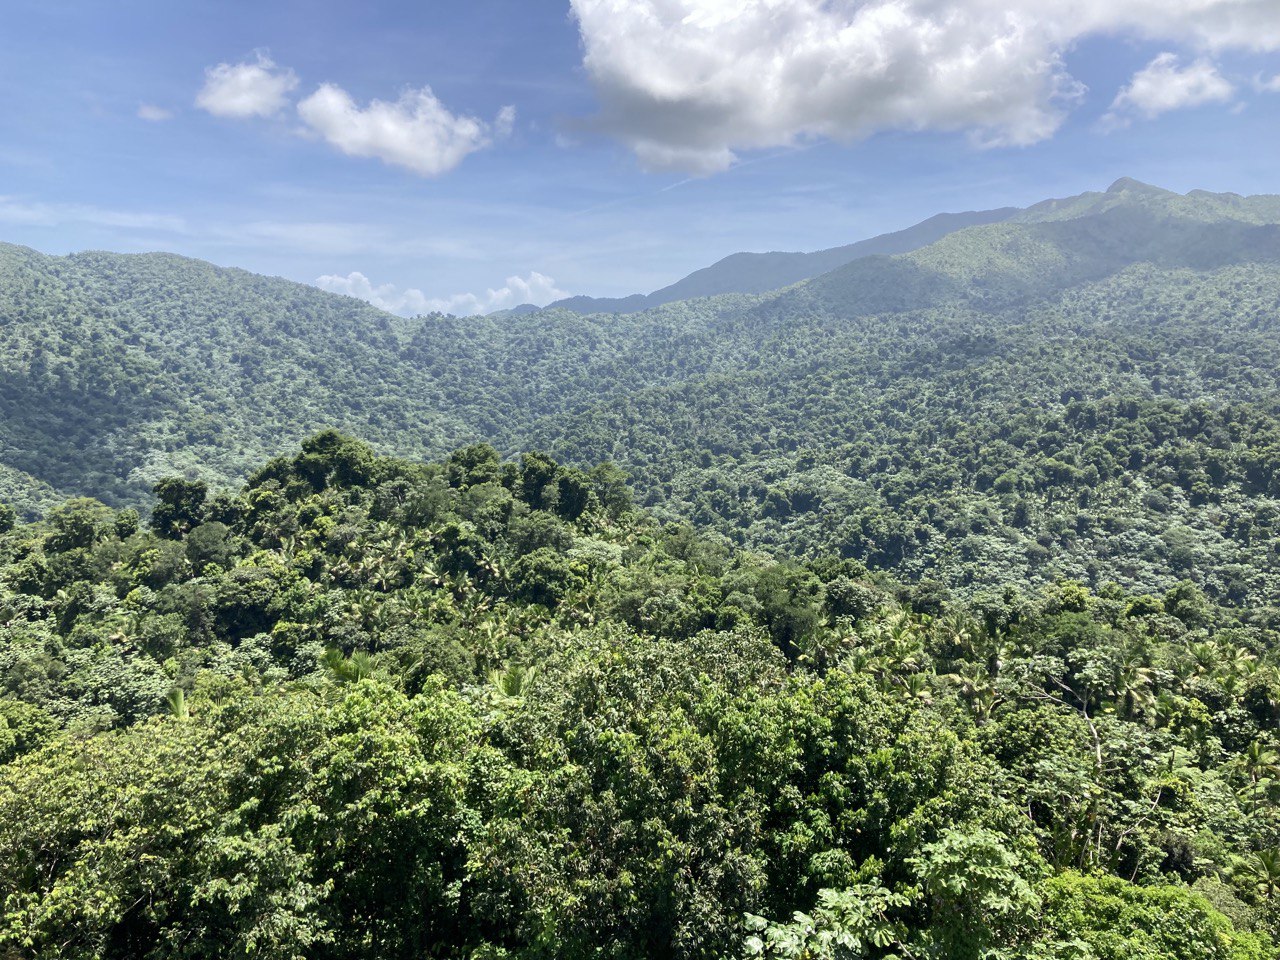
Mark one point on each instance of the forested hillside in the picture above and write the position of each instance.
(118, 370)
(762, 272)
(1085, 391)
(368, 707)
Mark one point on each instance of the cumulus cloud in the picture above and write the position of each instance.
(1164, 85)
(242, 90)
(387, 296)
(153, 114)
(416, 132)
(686, 83)
(536, 288)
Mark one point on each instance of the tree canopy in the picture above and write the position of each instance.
(1085, 391)
(485, 707)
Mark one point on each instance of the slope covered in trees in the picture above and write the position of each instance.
(1085, 391)
(118, 370)
(369, 707)
(762, 272)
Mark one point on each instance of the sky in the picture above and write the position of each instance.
(471, 156)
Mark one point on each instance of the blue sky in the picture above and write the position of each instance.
(646, 138)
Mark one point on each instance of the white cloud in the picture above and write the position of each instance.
(385, 297)
(1263, 85)
(40, 214)
(242, 90)
(153, 114)
(536, 288)
(686, 83)
(1164, 85)
(505, 121)
(417, 132)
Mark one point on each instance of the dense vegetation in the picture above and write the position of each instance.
(120, 370)
(943, 622)
(369, 707)
(1086, 391)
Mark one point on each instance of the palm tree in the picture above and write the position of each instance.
(1132, 686)
(1260, 764)
(959, 633)
(860, 661)
(823, 648)
(1202, 659)
(370, 611)
(976, 686)
(359, 666)
(473, 605)
(917, 687)
(1166, 709)
(177, 704)
(900, 641)
(1262, 869)
(513, 680)
(1238, 662)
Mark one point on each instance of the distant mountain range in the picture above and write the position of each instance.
(1085, 389)
(762, 272)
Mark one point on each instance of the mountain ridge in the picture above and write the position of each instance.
(745, 272)
(905, 410)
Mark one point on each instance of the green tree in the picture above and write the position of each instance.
(179, 506)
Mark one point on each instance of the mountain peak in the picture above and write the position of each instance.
(1129, 185)
(754, 273)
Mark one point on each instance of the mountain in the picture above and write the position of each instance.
(938, 619)
(120, 369)
(1083, 391)
(521, 310)
(762, 272)
(1054, 246)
